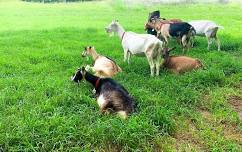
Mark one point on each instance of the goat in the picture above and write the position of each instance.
(208, 29)
(156, 15)
(103, 66)
(181, 30)
(138, 44)
(111, 96)
(150, 30)
(179, 64)
(152, 15)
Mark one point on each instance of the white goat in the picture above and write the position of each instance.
(208, 29)
(138, 44)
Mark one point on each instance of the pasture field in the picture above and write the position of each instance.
(42, 110)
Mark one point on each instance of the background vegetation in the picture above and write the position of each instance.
(51, 1)
(41, 110)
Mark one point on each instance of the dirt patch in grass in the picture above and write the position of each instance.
(186, 140)
(206, 114)
(232, 132)
(236, 103)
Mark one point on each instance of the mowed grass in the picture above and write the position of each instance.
(42, 110)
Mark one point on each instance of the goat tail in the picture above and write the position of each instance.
(191, 32)
(216, 27)
(220, 27)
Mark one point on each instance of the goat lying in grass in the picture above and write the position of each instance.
(103, 66)
(208, 29)
(138, 44)
(179, 64)
(181, 30)
(111, 96)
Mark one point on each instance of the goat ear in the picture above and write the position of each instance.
(172, 49)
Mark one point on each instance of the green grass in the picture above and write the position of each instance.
(41, 110)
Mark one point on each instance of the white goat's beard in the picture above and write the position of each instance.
(111, 34)
(72, 78)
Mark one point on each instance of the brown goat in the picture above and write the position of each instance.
(179, 64)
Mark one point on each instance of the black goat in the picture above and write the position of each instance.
(111, 96)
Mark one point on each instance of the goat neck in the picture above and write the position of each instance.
(150, 25)
(94, 54)
(94, 80)
(120, 31)
(166, 61)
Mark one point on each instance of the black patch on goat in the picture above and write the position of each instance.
(152, 15)
(118, 96)
(77, 77)
(179, 29)
(151, 31)
(155, 14)
(110, 59)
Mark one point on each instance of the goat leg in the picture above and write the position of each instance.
(209, 42)
(218, 43)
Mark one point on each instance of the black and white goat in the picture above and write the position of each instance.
(180, 30)
(111, 96)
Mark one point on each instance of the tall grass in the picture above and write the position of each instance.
(41, 110)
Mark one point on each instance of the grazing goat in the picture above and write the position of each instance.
(111, 96)
(103, 66)
(181, 30)
(139, 44)
(179, 64)
(208, 29)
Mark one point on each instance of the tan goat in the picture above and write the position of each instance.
(179, 64)
(103, 66)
